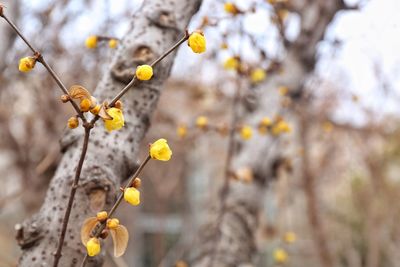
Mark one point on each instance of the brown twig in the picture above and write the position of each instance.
(74, 187)
(39, 57)
(101, 226)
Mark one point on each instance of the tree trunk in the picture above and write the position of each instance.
(230, 239)
(111, 156)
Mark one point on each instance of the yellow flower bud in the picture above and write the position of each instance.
(181, 131)
(112, 223)
(224, 46)
(327, 126)
(85, 104)
(144, 72)
(132, 196)
(112, 43)
(117, 121)
(231, 63)
(137, 183)
(26, 64)
(283, 90)
(181, 263)
(289, 237)
(119, 104)
(102, 216)
(73, 122)
(93, 247)
(65, 98)
(91, 42)
(202, 122)
(258, 75)
(266, 121)
(160, 150)
(197, 42)
(280, 256)
(246, 132)
(281, 127)
(231, 8)
(95, 110)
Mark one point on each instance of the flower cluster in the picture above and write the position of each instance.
(93, 41)
(159, 150)
(279, 254)
(276, 127)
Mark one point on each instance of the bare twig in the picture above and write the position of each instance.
(101, 226)
(40, 58)
(74, 187)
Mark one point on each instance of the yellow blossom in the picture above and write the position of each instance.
(160, 150)
(132, 196)
(112, 223)
(26, 64)
(246, 132)
(144, 72)
(231, 8)
(224, 46)
(101, 216)
(258, 75)
(112, 43)
(231, 63)
(197, 42)
(280, 256)
(117, 121)
(181, 131)
(91, 41)
(281, 127)
(73, 122)
(283, 90)
(93, 247)
(266, 121)
(202, 122)
(289, 237)
(181, 263)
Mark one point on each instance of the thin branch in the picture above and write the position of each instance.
(41, 59)
(101, 226)
(74, 187)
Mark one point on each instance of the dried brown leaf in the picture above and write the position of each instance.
(87, 228)
(78, 92)
(103, 113)
(120, 236)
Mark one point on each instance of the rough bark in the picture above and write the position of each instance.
(111, 157)
(232, 242)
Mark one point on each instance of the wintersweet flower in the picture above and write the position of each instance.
(231, 63)
(280, 256)
(93, 247)
(117, 121)
(290, 237)
(202, 122)
(181, 131)
(91, 42)
(73, 122)
(144, 72)
(132, 196)
(258, 75)
(246, 132)
(160, 150)
(113, 43)
(26, 64)
(231, 8)
(197, 42)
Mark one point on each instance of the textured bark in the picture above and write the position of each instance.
(111, 157)
(232, 241)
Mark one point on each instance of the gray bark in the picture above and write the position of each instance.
(232, 242)
(111, 156)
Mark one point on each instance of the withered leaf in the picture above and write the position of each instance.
(120, 236)
(78, 92)
(87, 228)
(103, 113)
